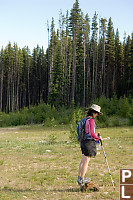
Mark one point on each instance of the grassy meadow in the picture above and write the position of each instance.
(39, 163)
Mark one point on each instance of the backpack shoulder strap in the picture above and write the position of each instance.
(86, 120)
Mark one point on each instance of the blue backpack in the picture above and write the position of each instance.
(81, 129)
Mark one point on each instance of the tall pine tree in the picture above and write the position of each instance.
(110, 60)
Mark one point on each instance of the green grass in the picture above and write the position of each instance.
(38, 163)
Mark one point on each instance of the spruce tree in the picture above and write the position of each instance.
(8, 70)
(1, 78)
(14, 77)
(80, 65)
(127, 65)
(74, 19)
(103, 71)
(110, 60)
(119, 56)
(51, 54)
(94, 55)
(87, 60)
(131, 83)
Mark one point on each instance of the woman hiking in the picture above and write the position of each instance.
(88, 145)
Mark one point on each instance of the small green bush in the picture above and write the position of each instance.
(131, 116)
(102, 121)
(77, 116)
(1, 162)
(104, 103)
(124, 107)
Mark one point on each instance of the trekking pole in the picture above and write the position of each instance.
(106, 161)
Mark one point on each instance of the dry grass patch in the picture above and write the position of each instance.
(40, 163)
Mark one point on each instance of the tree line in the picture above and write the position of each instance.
(85, 60)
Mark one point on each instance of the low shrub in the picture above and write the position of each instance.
(124, 107)
(77, 116)
(50, 116)
(131, 116)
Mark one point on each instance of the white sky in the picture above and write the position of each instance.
(25, 21)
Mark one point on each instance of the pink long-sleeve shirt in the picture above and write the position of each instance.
(90, 128)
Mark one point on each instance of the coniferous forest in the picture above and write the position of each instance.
(85, 60)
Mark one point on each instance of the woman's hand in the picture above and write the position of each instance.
(100, 137)
(98, 133)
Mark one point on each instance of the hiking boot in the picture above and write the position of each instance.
(82, 181)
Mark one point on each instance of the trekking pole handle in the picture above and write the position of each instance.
(100, 139)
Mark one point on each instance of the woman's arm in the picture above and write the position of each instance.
(92, 130)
